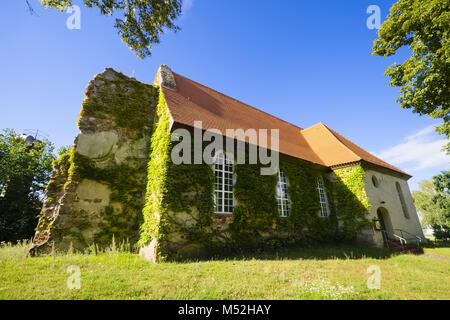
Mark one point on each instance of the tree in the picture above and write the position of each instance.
(442, 199)
(423, 201)
(433, 201)
(423, 79)
(25, 168)
(140, 22)
(64, 149)
(442, 182)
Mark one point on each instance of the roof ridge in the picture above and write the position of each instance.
(364, 150)
(247, 105)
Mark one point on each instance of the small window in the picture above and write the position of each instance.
(375, 181)
(223, 191)
(324, 209)
(402, 200)
(284, 206)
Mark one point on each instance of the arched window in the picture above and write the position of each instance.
(375, 182)
(324, 209)
(284, 206)
(402, 200)
(223, 191)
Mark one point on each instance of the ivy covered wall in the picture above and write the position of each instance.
(352, 202)
(179, 214)
(119, 180)
(97, 190)
(256, 220)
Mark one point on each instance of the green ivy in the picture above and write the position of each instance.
(256, 213)
(127, 100)
(127, 184)
(174, 191)
(257, 221)
(56, 183)
(54, 189)
(305, 225)
(153, 212)
(353, 203)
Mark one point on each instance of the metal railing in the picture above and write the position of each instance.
(413, 237)
(386, 239)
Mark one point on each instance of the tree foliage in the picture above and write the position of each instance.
(423, 200)
(24, 172)
(433, 201)
(423, 79)
(140, 22)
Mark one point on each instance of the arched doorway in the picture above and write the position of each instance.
(385, 221)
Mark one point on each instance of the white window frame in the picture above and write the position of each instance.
(283, 203)
(324, 208)
(223, 169)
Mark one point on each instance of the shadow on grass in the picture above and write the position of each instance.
(342, 252)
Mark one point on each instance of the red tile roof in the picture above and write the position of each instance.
(334, 149)
(319, 144)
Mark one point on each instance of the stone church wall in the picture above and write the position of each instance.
(118, 180)
(97, 190)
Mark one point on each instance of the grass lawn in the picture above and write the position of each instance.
(322, 273)
(443, 252)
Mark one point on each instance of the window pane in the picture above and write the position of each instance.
(282, 196)
(223, 171)
(324, 210)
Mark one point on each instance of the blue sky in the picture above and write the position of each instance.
(303, 61)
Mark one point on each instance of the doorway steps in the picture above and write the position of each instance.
(397, 246)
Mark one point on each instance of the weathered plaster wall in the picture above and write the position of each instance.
(386, 196)
(97, 190)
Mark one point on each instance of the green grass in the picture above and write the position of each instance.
(321, 273)
(443, 252)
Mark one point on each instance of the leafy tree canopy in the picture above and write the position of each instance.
(442, 182)
(64, 149)
(24, 172)
(424, 78)
(140, 22)
(423, 200)
(433, 202)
